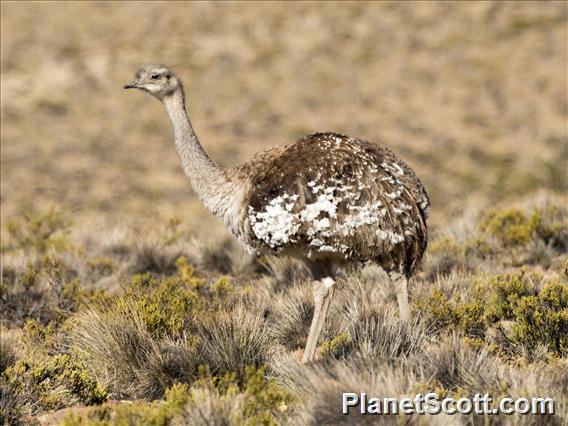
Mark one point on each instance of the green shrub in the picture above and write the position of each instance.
(512, 227)
(100, 266)
(438, 310)
(211, 400)
(442, 313)
(38, 231)
(164, 305)
(261, 400)
(64, 285)
(46, 290)
(336, 346)
(187, 274)
(538, 317)
(46, 378)
(53, 382)
(503, 292)
(509, 237)
(23, 296)
(470, 318)
(264, 401)
(543, 319)
(555, 295)
(444, 245)
(222, 288)
(158, 330)
(478, 247)
(159, 413)
(37, 337)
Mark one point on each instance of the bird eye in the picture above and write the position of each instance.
(155, 76)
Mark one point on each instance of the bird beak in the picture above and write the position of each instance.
(131, 85)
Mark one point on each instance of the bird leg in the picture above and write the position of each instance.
(400, 283)
(323, 293)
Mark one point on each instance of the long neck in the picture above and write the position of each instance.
(210, 181)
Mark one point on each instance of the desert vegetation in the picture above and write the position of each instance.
(124, 302)
(218, 341)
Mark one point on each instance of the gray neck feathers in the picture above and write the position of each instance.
(212, 184)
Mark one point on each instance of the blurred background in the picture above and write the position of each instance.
(472, 95)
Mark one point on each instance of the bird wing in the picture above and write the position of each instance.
(329, 194)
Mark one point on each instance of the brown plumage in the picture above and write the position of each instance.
(331, 200)
(328, 196)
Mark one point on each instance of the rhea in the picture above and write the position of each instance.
(334, 201)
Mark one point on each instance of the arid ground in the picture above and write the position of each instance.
(124, 301)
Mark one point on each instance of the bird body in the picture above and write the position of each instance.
(329, 199)
(329, 196)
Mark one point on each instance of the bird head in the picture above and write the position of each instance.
(158, 80)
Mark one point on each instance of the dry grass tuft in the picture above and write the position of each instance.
(380, 336)
(291, 315)
(207, 407)
(124, 356)
(284, 272)
(455, 364)
(225, 257)
(9, 348)
(231, 340)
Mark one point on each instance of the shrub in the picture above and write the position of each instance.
(46, 290)
(291, 315)
(24, 296)
(335, 347)
(9, 349)
(534, 235)
(159, 330)
(264, 401)
(380, 335)
(539, 318)
(162, 413)
(155, 258)
(445, 255)
(470, 318)
(165, 306)
(211, 401)
(123, 354)
(12, 402)
(53, 382)
(259, 399)
(37, 338)
(543, 319)
(222, 288)
(437, 310)
(45, 377)
(512, 227)
(209, 407)
(187, 274)
(40, 232)
(231, 340)
(503, 293)
(455, 365)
